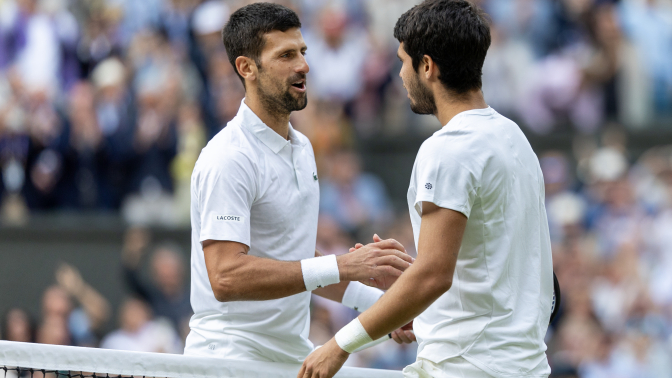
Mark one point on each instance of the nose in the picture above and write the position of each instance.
(303, 66)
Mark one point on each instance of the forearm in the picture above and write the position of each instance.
(95, 305)
(334, 292)
(236, 276)
(251, 278)
(413, 292)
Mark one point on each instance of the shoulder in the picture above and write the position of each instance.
(472, 139)
(228, 152)
(114, 340)
(451, 145)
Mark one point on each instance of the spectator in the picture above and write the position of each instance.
(337, 55)
(352, 198)
(56, 309)
(166, 294)
(85, 155)
(86, 321)
(17, 326)
(30, 42)
(649, 26)
(191, 139)
(138, 332)
(63, 323)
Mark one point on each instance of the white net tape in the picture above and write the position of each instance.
(105, 362)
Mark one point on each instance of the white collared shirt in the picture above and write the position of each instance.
(252, 186)
(496, 313)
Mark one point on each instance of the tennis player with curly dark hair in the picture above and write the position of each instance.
(481, 289)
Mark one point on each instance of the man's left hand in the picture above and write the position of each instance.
(324, 362)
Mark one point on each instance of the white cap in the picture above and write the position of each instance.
(210, 17)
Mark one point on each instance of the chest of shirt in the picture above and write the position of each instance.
(287, 200)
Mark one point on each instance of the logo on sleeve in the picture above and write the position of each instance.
(428, 186)
(229, 218)
(314, 176)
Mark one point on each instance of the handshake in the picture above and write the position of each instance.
(377, 264)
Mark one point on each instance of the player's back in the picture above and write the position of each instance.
(496, 313)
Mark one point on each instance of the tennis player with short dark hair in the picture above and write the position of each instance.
(254, 208)
(481, 287)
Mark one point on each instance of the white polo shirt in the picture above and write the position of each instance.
(252, 186)
(496, 313)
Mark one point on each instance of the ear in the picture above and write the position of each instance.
(428, 68)
(247, 68)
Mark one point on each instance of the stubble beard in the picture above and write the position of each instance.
(422, 99)
(277, 98)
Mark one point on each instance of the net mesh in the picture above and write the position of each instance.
(26, 360)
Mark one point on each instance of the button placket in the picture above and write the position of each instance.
(296, 156)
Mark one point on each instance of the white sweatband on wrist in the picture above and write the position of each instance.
(352, 336)
(360, 297)
(320, 272)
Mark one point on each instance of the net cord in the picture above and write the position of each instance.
(142, 364)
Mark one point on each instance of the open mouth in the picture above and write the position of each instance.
(300, 85)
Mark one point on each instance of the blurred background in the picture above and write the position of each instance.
(106, 104)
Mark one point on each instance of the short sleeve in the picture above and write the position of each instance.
(447, 183)
(226, 193)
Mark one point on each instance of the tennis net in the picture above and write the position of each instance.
(21, 360)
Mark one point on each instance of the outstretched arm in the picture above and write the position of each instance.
(236, 276)
(425, 281)
(97, 308)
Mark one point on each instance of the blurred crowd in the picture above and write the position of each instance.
(153, 317)
(106, 104)
(611, 231)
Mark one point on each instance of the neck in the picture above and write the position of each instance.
(448, 106)
(277, 121)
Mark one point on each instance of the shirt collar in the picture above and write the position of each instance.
(456, 119)
(265, 134)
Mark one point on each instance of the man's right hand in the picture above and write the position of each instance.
(377, 264)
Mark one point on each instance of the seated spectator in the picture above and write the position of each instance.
(167, 293)
(138, 332)
(85, 154)
(17, 326)
(54, 330)
(86, 321)
(63, 323)
(336, 57)
(352, 198)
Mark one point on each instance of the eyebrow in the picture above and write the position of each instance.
(303, 48)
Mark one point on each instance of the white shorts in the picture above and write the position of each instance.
(456, 367)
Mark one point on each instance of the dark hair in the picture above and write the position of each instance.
(243, 34)
(454, 33)
(4, 327)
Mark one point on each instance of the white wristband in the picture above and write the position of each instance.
(360, 297)
(352, 336)
(320, 272)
